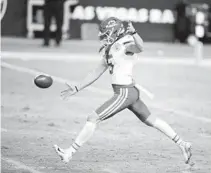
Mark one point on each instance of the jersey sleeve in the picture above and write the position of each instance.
(130, 45)
(128, 39)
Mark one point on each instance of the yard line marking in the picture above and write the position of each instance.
(101, 91)
(19, 165)
(183, 113)
(148, 93)
(49, 56)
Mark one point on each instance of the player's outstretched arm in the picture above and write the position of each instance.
(89, 79)
(93, 75)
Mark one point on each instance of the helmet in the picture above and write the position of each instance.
(110, 29)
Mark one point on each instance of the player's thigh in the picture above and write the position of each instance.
(140, 110)
(114, 105)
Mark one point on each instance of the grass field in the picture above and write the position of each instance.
(33, 119)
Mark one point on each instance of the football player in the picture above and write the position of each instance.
(119, 51)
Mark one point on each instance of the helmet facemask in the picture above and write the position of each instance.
(106, 37)
(109, 33)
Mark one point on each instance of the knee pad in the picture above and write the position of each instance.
(93, 117)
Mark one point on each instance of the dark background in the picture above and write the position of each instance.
(14, 21)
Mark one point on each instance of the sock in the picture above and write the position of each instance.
(164, 128)
(177, 139)
(85, 134)
(74, 147)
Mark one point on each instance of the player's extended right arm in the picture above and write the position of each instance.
(93, 75)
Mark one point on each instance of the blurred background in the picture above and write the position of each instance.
(155, 20)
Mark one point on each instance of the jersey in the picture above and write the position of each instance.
(119, 63)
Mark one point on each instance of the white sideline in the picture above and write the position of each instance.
(48, 56)
(19, 165)
(102, 91)
(149, 94)
(54, 56)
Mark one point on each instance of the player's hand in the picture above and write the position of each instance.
(130, 27)
(70, 91)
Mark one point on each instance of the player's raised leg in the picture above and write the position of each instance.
(166, 129)
(142, 112)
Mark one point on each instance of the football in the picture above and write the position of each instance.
(43, 81)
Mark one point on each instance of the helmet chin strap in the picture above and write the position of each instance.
(110, 40)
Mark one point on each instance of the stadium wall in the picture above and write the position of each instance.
(13, 22)
(154, 19)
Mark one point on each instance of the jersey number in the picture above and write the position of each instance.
(110, 63)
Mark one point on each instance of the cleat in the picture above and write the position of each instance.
(65, 155)
(186, 150)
